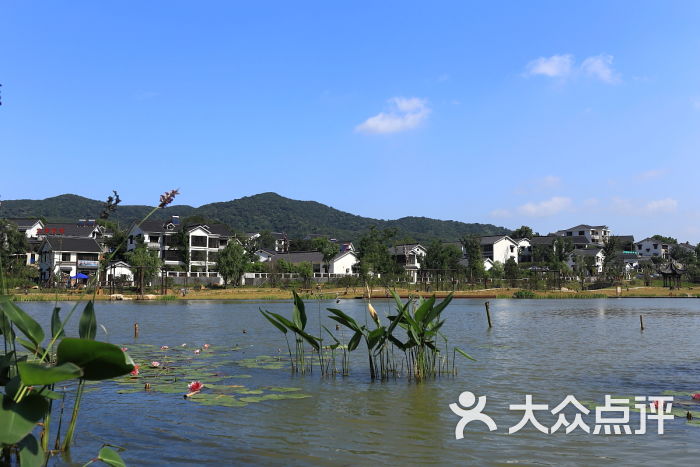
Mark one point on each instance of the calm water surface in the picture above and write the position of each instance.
(547, 348)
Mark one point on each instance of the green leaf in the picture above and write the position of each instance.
(423, 309)
(464, 354)
(31, 454)
(354, 341)
(37, 374)
(282, 320)
(30, 346)
(299, 311)
(87, 328)
(344, 319)
(374, 336)
(23, 321)
(99, 360)
(17, 420)
(56, 326)
(110, 457)
(274, 323)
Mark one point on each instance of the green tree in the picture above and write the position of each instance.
(13, 249)
(116, 242)
(373, 253)
(662, 239)
(472, 250)
(232, 262)
(497, 271)
(146, 264)
(327, 248)
(562, 248)
(522, 232)
(305, 271)
(511, 271)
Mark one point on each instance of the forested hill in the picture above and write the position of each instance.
(266, 211)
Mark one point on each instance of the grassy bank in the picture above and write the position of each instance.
(246, 293)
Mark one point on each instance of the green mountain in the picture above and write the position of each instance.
(266, 211)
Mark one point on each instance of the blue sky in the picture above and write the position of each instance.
(547, 114)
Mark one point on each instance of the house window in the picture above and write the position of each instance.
(581, 232)
(155, 239)
(32, 259)
(569, 234)
(656, 246)
(213, 243)
(65, 256)
(198, 240)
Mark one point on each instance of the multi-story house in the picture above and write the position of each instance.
(202, 244)
(597, 234)
(652, 247)
(409, 257)
(63, 257)
(499, 248)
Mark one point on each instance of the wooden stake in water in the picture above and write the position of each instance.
(136, 329)
(641, 322)
(488, 313)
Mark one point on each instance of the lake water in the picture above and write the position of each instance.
(546, 348)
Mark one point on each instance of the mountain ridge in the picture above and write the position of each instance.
(264, 211)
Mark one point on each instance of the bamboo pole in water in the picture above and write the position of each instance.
(641, 322)
(488, 313)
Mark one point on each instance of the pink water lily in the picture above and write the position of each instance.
(206, 346)
(195, 386)
(164, 347)
(155, 364)
(196, 352)
(135, 371)
(696, 396)
(124, 349)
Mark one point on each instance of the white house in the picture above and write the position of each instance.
(28, 226)
(120, 270)
(598, 234)
(580, 253)
(281, 240)
(409, 256)
(524, 250)
(499, 248)
(68, 256)
(652, 247)
(203, 245)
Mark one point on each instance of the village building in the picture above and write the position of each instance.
(202, 244)
(652, 247)
(597, 234)
(67, 257)
(409, 257)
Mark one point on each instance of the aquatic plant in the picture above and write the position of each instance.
(298, 326)
(29, 380)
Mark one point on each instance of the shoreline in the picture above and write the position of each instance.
(265, 294)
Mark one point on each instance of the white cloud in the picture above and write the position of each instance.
(600, 67)
(649, 174)
(548, 207)
(563, 66)
(556, 66)
(404, 114)
(500, 213)
(661, 206)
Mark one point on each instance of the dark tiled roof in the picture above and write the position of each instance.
(544, 240)
(70, 229)
(87, 245)
(488, 240)
(23, 222)
(586, 251)
(300, 257)
(402, 249)
(585, 227)
(624, 238)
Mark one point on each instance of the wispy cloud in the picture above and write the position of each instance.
(404, 114)
(661, 206)
(556, 66)
(650, 174)
(563, 66)
(545, 208)
(600, 67)
(500, 213)
(548, 182)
